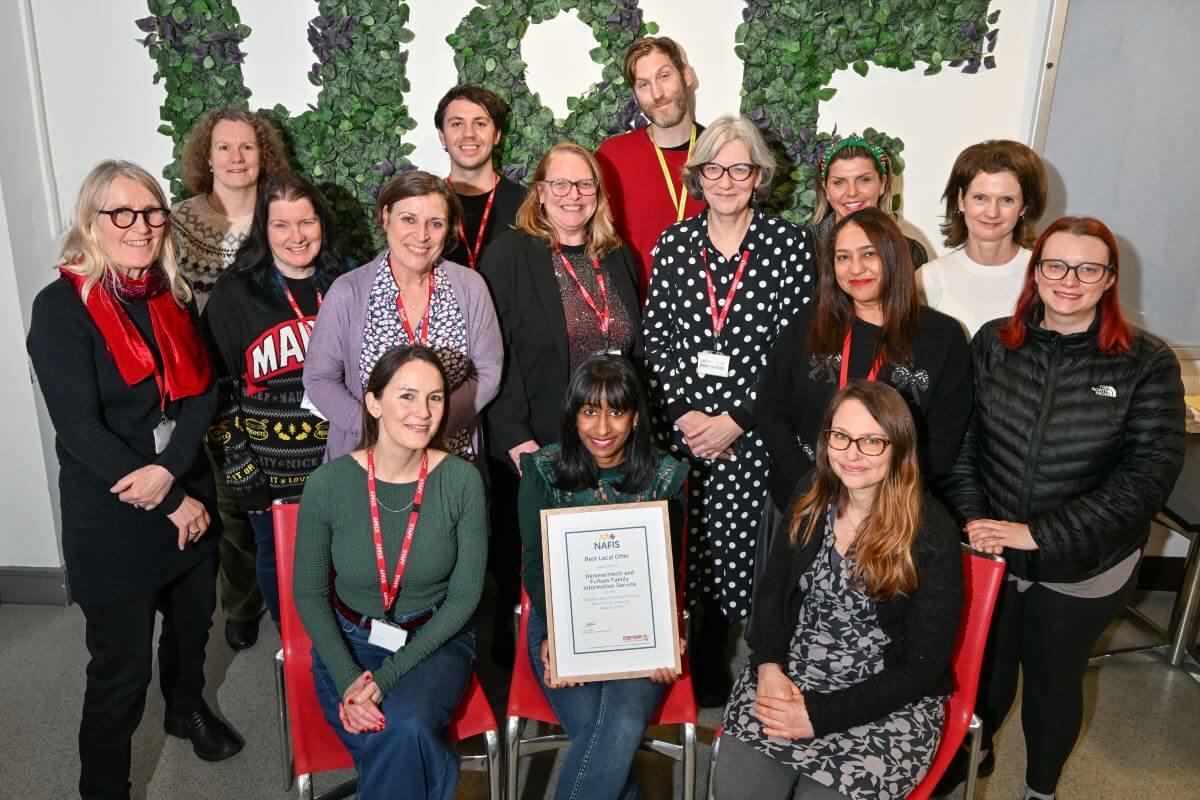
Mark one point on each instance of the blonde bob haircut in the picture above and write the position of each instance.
(724, 130)
(883, 564)
(531, 217)
(81, 251)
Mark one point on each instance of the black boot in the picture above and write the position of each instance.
(212, 738)
(709, 654)
(241, 634)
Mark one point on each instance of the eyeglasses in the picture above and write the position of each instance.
(561, 187)
(713, 171)
(867, 445)
(1054, 270)
(125, 217)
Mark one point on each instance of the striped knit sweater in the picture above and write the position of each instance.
(263, 441)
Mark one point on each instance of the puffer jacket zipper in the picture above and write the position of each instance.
(1035, 441)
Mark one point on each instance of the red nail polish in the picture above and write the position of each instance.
(367, 679)
(350, 702)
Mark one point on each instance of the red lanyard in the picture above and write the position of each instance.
(389, 594)
(424, 323)
(605, 317)
(296, 306)
(718, 318)
(846, 364)
(473, 253)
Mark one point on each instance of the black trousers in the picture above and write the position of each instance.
(1048, 636)
(120, 640)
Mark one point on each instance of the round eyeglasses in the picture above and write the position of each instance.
(125, 217)
(867, 445)
(713, 171)
(1054, 270)
(561, 187)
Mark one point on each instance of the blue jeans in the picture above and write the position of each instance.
(264, 563)
(411, 757)
(605, 720)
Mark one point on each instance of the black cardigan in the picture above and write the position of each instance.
(922, 626)
(103, 431)
(794, 391)
(519, 269)
(1082, 447)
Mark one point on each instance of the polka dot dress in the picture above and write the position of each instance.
(725, 498)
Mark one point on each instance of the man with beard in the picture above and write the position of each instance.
(641, 169)
(469, 120)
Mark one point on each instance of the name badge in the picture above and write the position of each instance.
(386, 635)
(162, 434)
(711, 363)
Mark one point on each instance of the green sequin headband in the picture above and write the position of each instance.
(854, 140)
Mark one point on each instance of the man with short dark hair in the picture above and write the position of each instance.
(641, 169)
(470, 121)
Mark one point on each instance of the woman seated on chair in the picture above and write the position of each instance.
(605, 455)
(854, 622)
(392, 650)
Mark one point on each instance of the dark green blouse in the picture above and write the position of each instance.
(538, 492)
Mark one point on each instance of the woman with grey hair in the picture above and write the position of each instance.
(725, 283)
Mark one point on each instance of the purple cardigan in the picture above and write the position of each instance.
(331, 375)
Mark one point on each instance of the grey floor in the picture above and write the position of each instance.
(1141, 734)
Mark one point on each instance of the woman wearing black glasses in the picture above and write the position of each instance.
(565, 288)
(1076, 441)
(724, 285)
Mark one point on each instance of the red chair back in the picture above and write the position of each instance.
(315, 746)
(526, 699)
(983, 575)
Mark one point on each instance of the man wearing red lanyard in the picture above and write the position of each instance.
(468, 120)
(642, 168)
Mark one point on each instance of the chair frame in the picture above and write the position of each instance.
(973, 736)
(490, 762)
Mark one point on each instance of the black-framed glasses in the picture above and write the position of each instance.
(561, 187)
(713, 171)
(867, 445)
(125, 217)
(1054, 270)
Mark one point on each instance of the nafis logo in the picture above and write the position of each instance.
(606, 541)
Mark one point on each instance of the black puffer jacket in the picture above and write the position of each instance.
(1082, 447)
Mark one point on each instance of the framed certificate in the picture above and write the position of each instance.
(610, 591)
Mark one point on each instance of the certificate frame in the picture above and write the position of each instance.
(627, 583)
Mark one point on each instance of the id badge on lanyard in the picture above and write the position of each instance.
(384, 633)
(713, 362)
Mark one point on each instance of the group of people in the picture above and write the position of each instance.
(633, 326)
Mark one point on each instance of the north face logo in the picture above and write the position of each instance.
(1104, 390)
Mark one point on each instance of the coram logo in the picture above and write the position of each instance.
(636, 637)
(606, 541)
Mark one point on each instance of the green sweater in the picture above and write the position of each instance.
(538, 492)
(445, 565)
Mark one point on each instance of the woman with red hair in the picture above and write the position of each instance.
(1076, 441)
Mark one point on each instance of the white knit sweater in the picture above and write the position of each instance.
(972, 293)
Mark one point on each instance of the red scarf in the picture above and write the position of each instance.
(185, 362)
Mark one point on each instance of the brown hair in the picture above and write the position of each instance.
(381, 375)
(824, 209)
(197, 176)
(883, 560)
(992, 156)
(648, 44)
(415, 183)
(834, 313)
(491, 102)
(531, 217)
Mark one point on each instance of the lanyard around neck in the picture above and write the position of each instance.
(605, 316)
(403, 312)
(678, 199)
(473, 252)
(389, 592)
(845, 374)
(718, 317)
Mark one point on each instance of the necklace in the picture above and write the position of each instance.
(393, 510)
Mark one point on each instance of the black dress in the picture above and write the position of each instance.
(725, 498)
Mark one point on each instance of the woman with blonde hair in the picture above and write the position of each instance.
(565, 288)
(127, 382)
(227, 156)
(854, 622)
(724, 287)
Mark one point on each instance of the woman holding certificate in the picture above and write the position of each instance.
(724, 286)
(393, 648)
(605, 455)
(854, 622)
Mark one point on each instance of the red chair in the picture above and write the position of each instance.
(983, 575)
(306, 741)
(526, 701)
